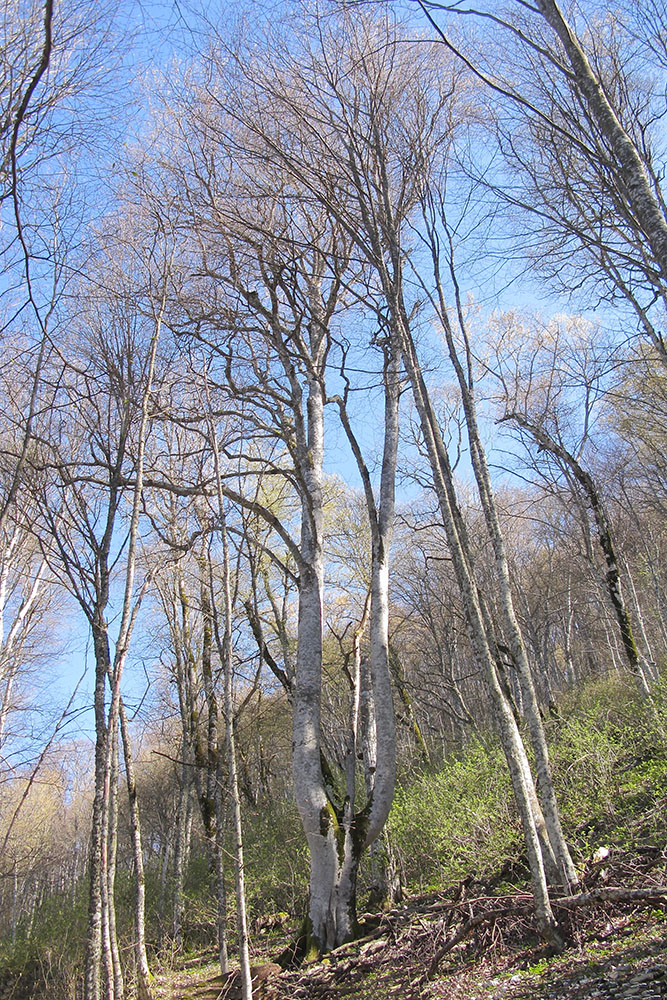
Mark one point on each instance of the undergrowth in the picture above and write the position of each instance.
(609, 758)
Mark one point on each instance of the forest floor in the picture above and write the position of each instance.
(616, 949)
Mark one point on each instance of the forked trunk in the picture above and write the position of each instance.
(334, 865)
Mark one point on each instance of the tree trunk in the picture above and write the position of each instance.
(567, 875)
(110, 948)
(93, 957)
(333, 842)
(633, 178)
(218, 848)
(524, 789)
(224, 647)
(385, 879)
(141, 958)
(605, 539)
(183, 824)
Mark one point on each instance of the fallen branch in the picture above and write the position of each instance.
(612, 894)
(482, 918)
(615, 894)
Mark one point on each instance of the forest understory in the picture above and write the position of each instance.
(616, 949)
(453, 935)
(616, 945)
(619, 954)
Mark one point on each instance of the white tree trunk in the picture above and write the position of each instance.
(523, 786)
(141, 957)
(224, 645)
(633, 178)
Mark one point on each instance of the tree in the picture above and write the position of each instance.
(577, 101)
(224, 639)
(542, 380)
(370, 178)
(274, 272)
(53, 58)
(90, 464)
(25, 596)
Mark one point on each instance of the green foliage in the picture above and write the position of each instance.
(45, 960)
(609, 757)
(610, 763)
(458, 821)
(276, 860)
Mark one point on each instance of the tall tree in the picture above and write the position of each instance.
(91, 470)
(542, 380)
(274, 272)
(577, 99)
(372, 184)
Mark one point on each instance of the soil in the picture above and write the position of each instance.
(616, 948)
(623, 959)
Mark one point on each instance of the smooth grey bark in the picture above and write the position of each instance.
(380, 736)
(385, 878)
(381, 520)
(211, 799)
(522, 784)
(317, 815)
(649, 660)
(220, 884)
(224, 647)
(463, 369)
(115, 983)
(181, 850)
(233, 783)
(141, 957)
(375, 207)
(93, 954)
(633, 177)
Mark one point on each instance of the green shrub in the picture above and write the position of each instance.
(609, 761)
(46, 962)
(458, 821)
(276, 861)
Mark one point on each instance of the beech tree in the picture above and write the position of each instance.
(274, 272)
(551, 384)
(54, 59)
(577, 98)
(26, 594)
(89, 490)
(372, 184)
(185, 594)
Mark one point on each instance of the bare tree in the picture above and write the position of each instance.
(371, 184)
(274, 273)
(577, 100)
(89, 465)
(543, 377)
(53, 59)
